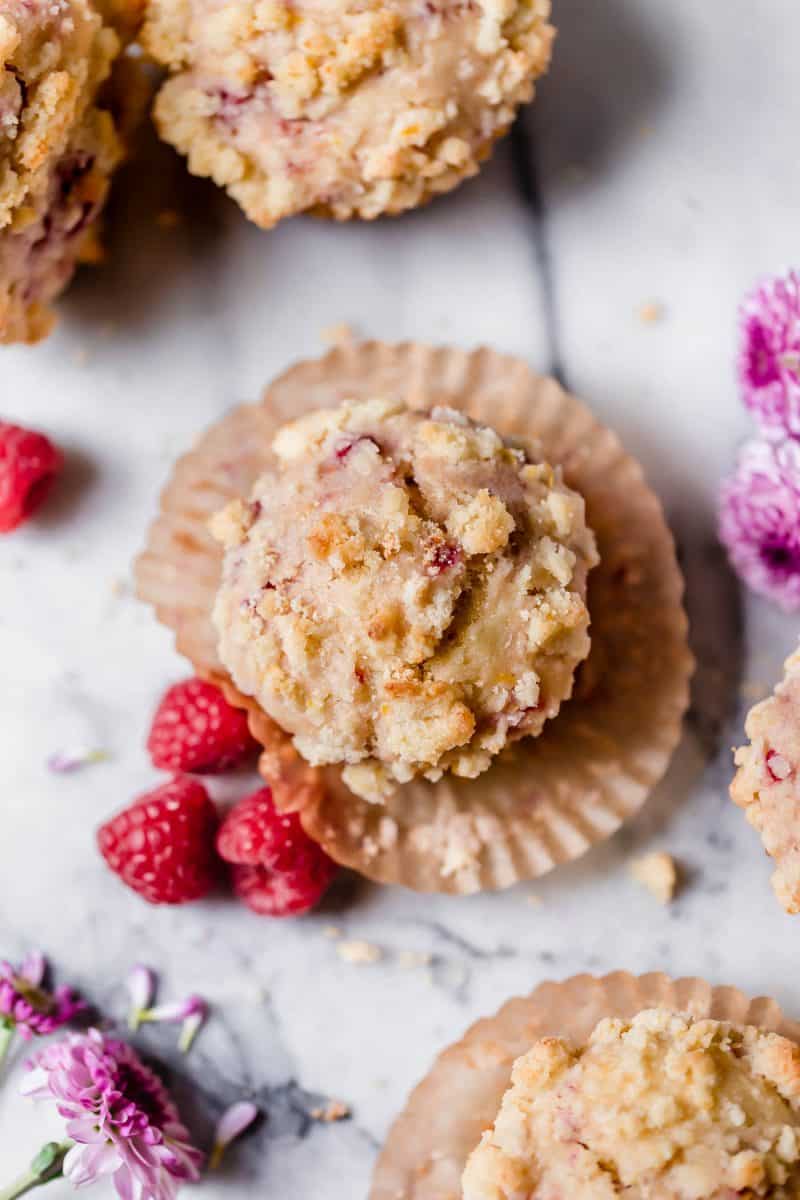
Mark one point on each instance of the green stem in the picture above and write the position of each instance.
(6, 1038)
(47, 1165)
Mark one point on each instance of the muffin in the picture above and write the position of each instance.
(765, 785)
(404, 592)
(661, 1107)
(58, 148)
(403, 605)
(648, 1088)
(351, 109)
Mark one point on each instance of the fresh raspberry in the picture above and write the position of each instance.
(278, 870)
(162, 846)
(29, 463)
(195, 729)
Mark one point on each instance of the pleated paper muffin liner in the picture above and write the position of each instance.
(429, 1143)
(545, 800)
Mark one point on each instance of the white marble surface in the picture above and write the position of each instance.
(666, 170)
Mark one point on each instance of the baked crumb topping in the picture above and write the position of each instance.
(358, 108)
(404, 593)
(766, 783)
(57, 150)
(662, 1107)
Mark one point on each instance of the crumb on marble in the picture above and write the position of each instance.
(81, 357)
(332, 931)
(334, 1110)
(657, 872)
(359, 953)
(409, 960)
(651, 312)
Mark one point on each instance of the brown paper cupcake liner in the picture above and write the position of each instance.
(429, 1143)
(547, 799)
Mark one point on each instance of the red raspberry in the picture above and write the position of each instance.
(162, 846)
(278, 870)
(29, 463)
(195, 729)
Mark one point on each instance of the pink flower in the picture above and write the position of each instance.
(769, 356)
(760, 520)
(25, 1006)
(119, 1114)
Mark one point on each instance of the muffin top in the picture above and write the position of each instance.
(56, 150)
(357, 107)
(404, 592)
(662, 1107)
(765, 785)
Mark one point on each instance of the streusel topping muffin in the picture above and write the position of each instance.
(57, 151)
(767, 783)
(404, 592)
(662, 1107)
(354, 108)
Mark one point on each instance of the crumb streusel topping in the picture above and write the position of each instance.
(662, 1107)
(354, 108)
(57, 150)
(767, 784)
(404, 592)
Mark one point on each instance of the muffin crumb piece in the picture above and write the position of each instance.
(658, 873)
(359, 953)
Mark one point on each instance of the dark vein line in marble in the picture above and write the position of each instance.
(527, 180)
(470, 949)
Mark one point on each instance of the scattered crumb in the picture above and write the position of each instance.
(119, 586)
(533, 900)
(338, 335)
(168, 218)
(81, 357)
(651, 313)
(359, 953)
(334, 1110)
(646, 130)
(332, 932)
(658, 873)
(410, 959)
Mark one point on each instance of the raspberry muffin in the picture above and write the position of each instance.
(404, 592)
(592, 1089)
(766, 784)
(351, 109)
(661, 1107)
(58, 148)
(398, 595)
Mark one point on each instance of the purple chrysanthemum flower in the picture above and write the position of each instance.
(119, 1115)
(26, 1008)
(760, 520)
(769, 357)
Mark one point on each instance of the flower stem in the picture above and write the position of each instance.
(47, 1165)
(6, 1038)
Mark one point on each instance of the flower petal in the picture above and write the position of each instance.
(231, 1125)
